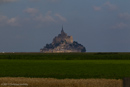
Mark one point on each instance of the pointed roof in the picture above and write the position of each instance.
(62, 31)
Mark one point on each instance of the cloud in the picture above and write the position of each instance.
(105, 6)
(6, 1)
(119, 26)
(34, 0)
(125, 16)
(31, 11)
(49, 17)
(47, 0)
(2, 18)
(39, 18)
(13, 21)
(110, 6)
(5, 21)
(46, 18)
(96, 8)
(53, 0)
(61, 17)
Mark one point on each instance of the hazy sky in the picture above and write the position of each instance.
(99, 25)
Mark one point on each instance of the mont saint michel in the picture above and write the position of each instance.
(63, 44)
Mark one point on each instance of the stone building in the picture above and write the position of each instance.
(62, 44)
(63, 37)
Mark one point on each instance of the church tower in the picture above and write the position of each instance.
(63, 34)
(63, 37)
(62, 29)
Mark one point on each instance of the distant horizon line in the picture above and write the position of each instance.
(66, 52)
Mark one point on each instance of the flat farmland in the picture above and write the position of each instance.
(61, 69)
(51, 82)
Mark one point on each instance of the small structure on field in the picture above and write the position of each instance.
(126, 82)
(62, 44)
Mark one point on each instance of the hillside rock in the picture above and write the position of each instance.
(62, 44)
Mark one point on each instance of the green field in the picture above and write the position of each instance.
(71, 66)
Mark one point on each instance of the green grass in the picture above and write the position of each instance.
(112, 69)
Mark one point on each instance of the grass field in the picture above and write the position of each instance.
(49, 82)
(67, 65)
(69, 69)
(61, 69)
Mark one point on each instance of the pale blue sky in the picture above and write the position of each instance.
(100, 25)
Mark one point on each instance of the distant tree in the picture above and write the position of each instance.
(49, 46)
(62, 41)
(83, 50)
(57, 44)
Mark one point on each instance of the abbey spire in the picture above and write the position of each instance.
(62, 31)
(63, 34)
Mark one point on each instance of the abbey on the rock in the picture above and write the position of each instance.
(63, 37)
(62, 44)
